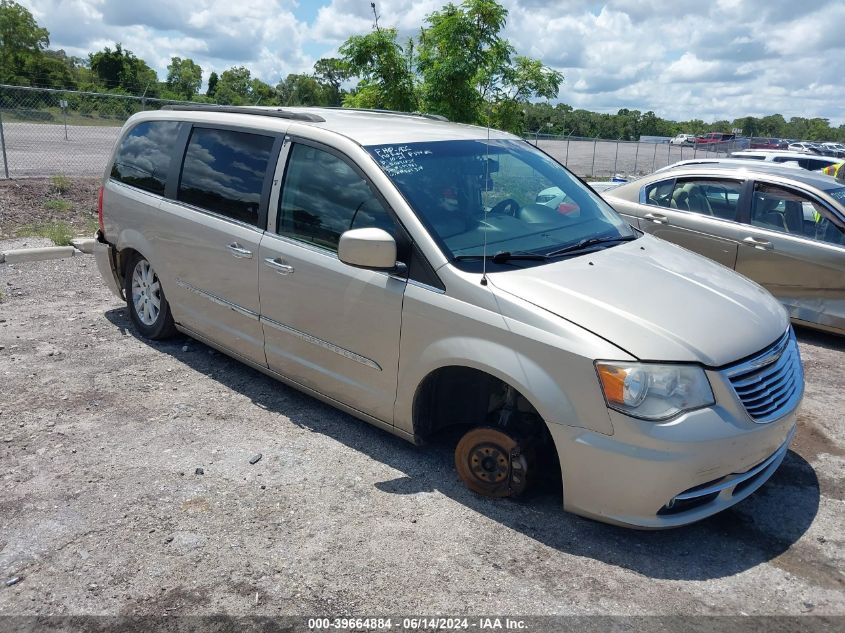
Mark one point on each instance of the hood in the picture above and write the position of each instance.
(655, 300)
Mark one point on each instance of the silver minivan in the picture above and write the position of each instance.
(400, 267)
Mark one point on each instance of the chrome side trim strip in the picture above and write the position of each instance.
(218, 300)
(342, 351)
(734, 480)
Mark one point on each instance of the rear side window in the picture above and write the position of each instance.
(224, 172)
(324, 196)
(143, 158)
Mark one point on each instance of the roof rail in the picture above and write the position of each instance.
(272, 112)
(425, 115)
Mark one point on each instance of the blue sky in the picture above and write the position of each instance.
(682, 59)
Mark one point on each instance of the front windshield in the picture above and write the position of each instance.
(522, 200)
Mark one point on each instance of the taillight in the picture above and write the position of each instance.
(100, 212)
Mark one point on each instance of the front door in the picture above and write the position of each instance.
(327, 325)
(793, 249)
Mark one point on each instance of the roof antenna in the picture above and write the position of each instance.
(486, 190)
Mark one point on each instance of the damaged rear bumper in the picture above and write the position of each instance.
(106, 256)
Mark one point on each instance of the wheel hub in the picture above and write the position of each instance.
(491, 462)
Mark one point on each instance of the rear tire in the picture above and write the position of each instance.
(492, 463)
(145, 300)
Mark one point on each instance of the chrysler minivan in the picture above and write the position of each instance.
(399, 267)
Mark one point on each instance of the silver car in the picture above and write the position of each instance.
(400, 268)
(784, 228)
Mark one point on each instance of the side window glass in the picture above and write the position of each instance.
(143, 158)
(323, 196)
(788, 211)
(659, 194)
(711, 196)
(224, 172)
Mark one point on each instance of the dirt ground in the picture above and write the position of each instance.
(35, 202)
(102, 512)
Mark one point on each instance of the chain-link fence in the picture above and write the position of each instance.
(45, 132)
(600, 158)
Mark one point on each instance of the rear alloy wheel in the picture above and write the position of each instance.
(145, 299)
(491, 463)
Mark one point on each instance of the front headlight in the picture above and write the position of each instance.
(651, 391)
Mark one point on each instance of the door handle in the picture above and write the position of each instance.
(279, 265)
(658, 218)
(763, 245)
(239, 251)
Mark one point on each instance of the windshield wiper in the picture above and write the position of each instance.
(503, 257)
(592, 241)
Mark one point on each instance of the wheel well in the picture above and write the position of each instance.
(122, 259)
(453, 396)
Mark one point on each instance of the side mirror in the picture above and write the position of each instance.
(371, 248)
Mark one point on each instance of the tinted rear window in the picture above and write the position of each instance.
(143, 158)
(224, 172)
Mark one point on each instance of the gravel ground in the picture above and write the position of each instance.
(102, 512)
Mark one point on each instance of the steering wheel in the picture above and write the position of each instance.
(508, 206)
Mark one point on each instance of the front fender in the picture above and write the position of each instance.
(551, 367)
(502, 362)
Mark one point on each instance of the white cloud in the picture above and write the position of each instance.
(683, 59)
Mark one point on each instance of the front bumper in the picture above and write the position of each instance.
(105, 256)
(672, 474)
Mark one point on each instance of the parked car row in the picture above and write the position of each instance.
(836, 150)
(767, 143)
(811, 162)
(713, 139)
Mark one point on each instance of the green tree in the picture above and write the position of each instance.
(773, 125)
(53, 69)
(120, 69)
(184, 77)
(298, 90)
(331, 72)
(212, 84)
(386, 80)
(22, 42)
(464, 62)
(234, 86)
(818, 129)
(460, 56)
(520, 81)
(261, 93)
